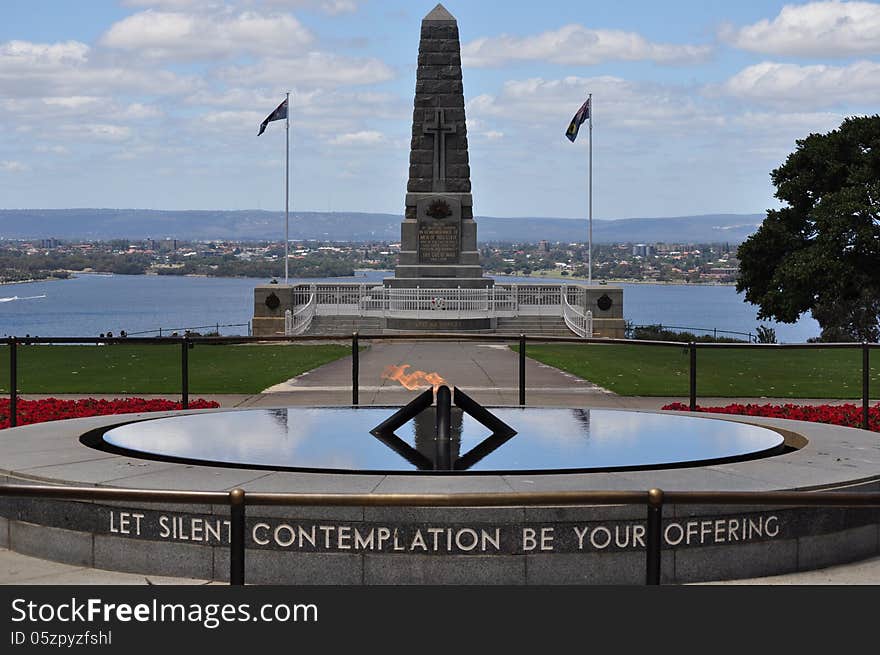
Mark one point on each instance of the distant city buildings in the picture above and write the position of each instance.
(647, 262)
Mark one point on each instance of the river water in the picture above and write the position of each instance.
(88, 305)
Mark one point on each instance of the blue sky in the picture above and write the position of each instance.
(156, 103)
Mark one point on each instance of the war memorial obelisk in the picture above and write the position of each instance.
(438, 237)
(438, 283)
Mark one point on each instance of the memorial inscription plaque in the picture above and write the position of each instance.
(439, 230)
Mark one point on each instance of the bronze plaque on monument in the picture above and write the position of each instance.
(439, 230)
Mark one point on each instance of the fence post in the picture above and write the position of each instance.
(693, 376)
(866, 382)
(655, 517)
(355, 368)
(13, 382)
(236, 537)
(184, 372)
(522, 369)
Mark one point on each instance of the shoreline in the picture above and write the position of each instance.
(498, 276)
(42, 279)
(560, 278)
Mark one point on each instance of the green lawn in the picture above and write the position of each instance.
(156, 369)
(634, 370)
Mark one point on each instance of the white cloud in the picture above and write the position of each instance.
(174, 4)
(59, 70)
(616, 101)
(335, 7)
(97, 131)
(52, 150)
(822, 29)
(235, 119)
(331, 7)
(577, 45)
(13, 167)
(806, 87)
(73, 102)
(179, 35)
(363, 138)
(139, 111)
(314, 69)
(24, 55)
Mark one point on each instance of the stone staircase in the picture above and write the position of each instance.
(344, 325)
(548, 326)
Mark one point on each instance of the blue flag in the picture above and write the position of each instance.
(279, 113)
(582, 115)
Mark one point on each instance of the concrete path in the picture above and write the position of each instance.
(487, 372)
(18, 569)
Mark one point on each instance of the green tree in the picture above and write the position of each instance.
(820, 252)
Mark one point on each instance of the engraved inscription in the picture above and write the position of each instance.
(279, 533)
(438, 242)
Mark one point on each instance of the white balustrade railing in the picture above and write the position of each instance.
(578, 319)
(299, 321)
(567, 301)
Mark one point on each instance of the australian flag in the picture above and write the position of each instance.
(582, 115)
(279, 113)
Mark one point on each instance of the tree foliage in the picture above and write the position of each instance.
(820, 252)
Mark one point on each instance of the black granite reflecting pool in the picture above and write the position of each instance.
(339, 439)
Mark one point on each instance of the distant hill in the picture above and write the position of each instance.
(99, 224)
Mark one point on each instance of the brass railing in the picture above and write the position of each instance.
(187, 342)
(653, 499)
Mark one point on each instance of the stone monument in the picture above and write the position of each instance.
(438, 236)
(438, 283)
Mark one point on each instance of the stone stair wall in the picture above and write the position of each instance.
(548, 326)
(344, 325)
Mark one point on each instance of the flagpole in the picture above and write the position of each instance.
(287, 189)
(590, 254)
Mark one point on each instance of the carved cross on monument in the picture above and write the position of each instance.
(440, 128)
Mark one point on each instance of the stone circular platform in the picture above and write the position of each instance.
(375, 545)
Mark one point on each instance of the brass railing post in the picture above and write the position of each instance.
(184, 372)
(355, 368)
(13, 382)
(866, 382)
(655, 518)
(236, 536)
(522, 369)
(692, 346)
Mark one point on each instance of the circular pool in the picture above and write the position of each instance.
(546, 440)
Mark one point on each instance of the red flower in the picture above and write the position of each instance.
(55, 409)
(848, 415)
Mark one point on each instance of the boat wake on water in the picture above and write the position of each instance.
(11, 298)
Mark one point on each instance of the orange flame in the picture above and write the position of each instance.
(414, 380)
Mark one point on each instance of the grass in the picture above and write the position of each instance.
(136, 369)
(634, 370)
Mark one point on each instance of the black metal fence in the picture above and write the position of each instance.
(186, 342)
(750, 336)
(653, 499)
(174, 332)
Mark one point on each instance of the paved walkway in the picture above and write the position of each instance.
(488, 372)
(18, 569)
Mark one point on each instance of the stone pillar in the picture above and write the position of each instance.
(438, 235)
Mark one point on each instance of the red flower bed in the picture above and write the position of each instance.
(55, 409)
(849, 415)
